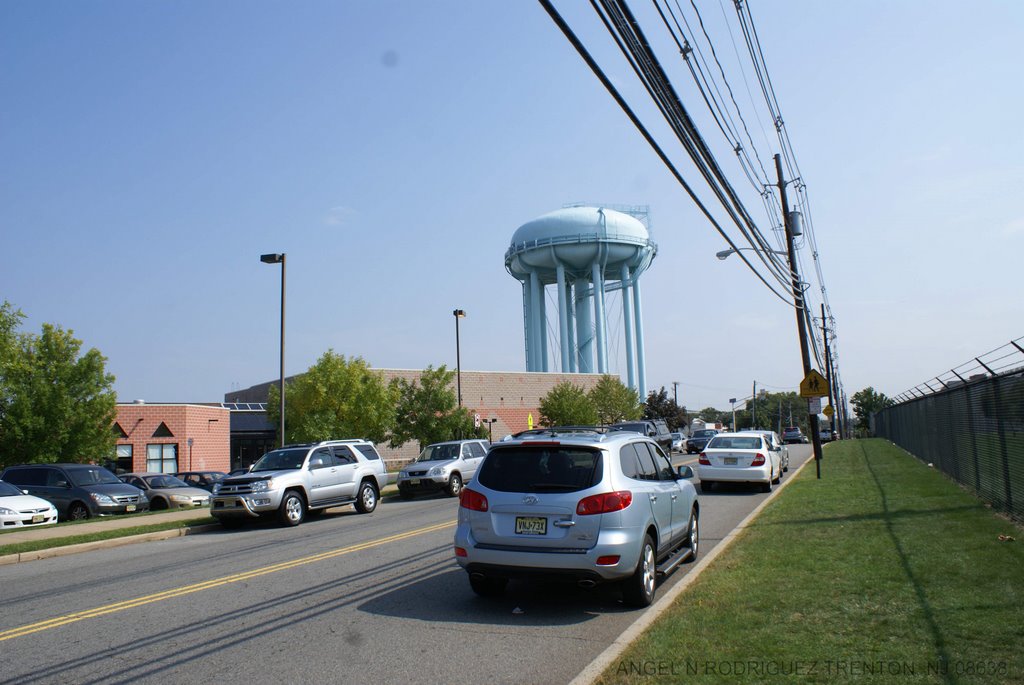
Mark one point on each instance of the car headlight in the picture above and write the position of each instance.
(143, 499)
(100, 498)
(262, 486)
(4, 511)
(181, 499)
(436, 471)
(216, 488)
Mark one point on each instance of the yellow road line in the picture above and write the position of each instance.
(208, 584)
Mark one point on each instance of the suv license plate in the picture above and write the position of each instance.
(531, 525)
(414, 481)
(130, 507)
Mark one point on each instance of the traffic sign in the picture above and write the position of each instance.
(828, 411)
(813, 385)
(813, 406)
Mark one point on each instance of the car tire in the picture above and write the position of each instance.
(488, 587)
(292, 510)
(158, 504)
(78, 512)
(707, 485)
(454, 485)
(693, 537)
(767, 487)
(366, 498)
(778, 476)
(638, 590)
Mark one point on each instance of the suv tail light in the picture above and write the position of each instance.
(472, 500)
(703, 459)
(604, 503)
(758, 460)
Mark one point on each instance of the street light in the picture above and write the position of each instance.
(459, 314)
(278, 258)
(724, 254)
(490, 423)
(732, 401)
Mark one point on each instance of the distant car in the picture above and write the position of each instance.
(443, 466)
(826, 435)
(597, 508)
(167, 492)
(794, 436)
(678, 442)
(202, 479)
(18, 510)
(739, 458)
(77, 490)
(655, 429)
(699, 440)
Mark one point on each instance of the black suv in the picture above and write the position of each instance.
(77, 490)
(655, 429)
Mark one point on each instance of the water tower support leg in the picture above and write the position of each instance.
(563, 319)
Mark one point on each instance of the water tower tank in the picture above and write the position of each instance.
(586, 252)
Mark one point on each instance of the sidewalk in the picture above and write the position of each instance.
(96, 525)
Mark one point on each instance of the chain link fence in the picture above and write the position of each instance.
(972, 429)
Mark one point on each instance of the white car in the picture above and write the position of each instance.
(740, 458)
(18, 510)
(773, 439)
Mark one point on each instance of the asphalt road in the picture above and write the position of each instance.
(342, 598)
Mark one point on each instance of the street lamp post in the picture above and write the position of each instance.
(732, 401)
(459, 314)
(279, 258)
(490, 423)
(724, 254)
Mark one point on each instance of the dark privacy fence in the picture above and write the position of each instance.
(972, 429)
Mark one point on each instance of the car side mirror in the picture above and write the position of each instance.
(684, 471)
(63, 484)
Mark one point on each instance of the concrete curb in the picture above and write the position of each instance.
(65, 550)
(596, 667)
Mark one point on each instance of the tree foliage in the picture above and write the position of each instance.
(660, 406)
(56, 404)
(614, 402)
(336, 398)
(426, 410)
(865, 403)
(567, 405)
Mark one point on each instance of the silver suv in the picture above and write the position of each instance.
(442, 466)
(297, 479)
(589, 507)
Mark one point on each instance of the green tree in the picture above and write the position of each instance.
(56, 404)
(567, 405)
(659, 406)
(865, 403)
(614, 401)
(335, 398)
(427, 411)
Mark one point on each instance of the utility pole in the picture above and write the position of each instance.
(675, 392)
(798, 302)
(753, 407)
(828, 370)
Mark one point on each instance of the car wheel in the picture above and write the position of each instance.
(158, 504)
(366, 500)
(767, 487)
(488, 587)
(406, 494)
(706, 485)
(785, 467)
(778, 475)
(292, 509)
(78, 512)
(693, 537)
(638, 589)
(454, 485)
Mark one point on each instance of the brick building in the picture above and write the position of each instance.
(172, 437)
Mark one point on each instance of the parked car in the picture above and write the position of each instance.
(699, 440)
(826, 435)
(655, 429)
(442, 466)
(203, 479)
(739, 458)
(296, 479)
(678, 442)
(77, 490)
(18, 510)
(773, 441)
(167, 492)
(794, 436)
(590, 508)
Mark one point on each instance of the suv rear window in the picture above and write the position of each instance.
(547, 468)
(368, 451)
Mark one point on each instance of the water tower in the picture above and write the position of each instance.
(586, 252)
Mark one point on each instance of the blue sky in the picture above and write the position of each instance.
(151, 151)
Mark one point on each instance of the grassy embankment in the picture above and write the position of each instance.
(883, 571)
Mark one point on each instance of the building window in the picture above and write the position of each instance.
(123, 459)
(162, 458)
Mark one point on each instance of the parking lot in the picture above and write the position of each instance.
(343, 597)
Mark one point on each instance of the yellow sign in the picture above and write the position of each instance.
(814, 385)
(828, 411)
(529, 421)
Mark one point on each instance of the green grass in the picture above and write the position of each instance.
(883, 571)
(72, 539)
